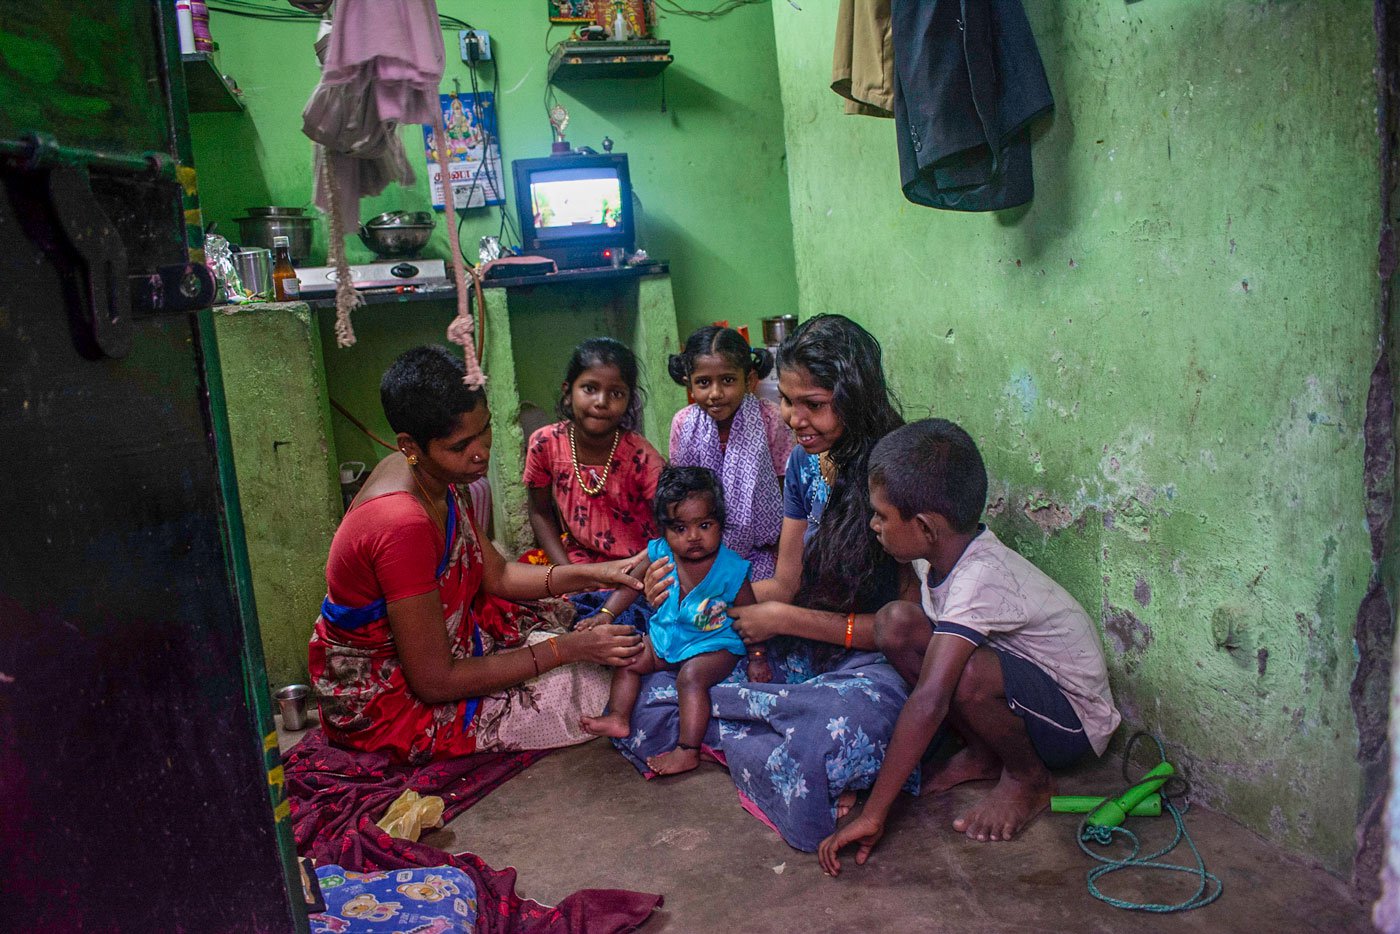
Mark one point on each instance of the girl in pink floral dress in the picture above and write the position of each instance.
(591, 477)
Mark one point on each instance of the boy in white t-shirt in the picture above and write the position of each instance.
(997, 650)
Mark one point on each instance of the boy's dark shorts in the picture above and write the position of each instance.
(1054, 727)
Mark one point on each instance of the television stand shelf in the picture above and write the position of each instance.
(636, 58)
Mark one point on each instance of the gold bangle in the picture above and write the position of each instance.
(603, 609)
(850, 628)
(548, 575)
(534, 658)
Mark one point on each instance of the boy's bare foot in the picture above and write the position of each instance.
(969, 764)
(844, 803)
(609, 724)
(1006, 809)
(675, 762)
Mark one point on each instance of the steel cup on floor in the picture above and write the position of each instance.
(291, 700)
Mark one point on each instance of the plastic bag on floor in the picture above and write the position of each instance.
(410, 815)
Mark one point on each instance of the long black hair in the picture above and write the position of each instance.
(423, 394)
(603, 351)
(720, 342)
(843, 566)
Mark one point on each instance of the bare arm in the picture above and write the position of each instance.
(516, 581)
(920, 719)
(774, 618)
(545, 523)
(788, 574)
(435, 677)
(621, 598)
(763, 621)
(759, 670)
(745, 596)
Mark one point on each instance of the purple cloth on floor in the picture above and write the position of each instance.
(336, 795)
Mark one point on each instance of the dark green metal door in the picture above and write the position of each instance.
(139, 781)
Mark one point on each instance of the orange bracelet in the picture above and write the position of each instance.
(850, 628)
(554, 647)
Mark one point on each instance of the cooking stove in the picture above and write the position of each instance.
(420, 274)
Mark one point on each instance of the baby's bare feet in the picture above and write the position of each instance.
(1006, 809)
(971, 764)
(607, 725)
(676, 761)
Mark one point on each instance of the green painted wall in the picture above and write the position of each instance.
(279, 423)
(1165, 358)
(710, 170)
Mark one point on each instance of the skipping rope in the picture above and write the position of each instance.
(1209, 888)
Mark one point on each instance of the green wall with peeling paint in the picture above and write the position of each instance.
(709, 169)
(1165, 359)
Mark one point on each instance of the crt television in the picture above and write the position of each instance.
(575, 209)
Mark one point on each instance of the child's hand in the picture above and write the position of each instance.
(759, 669)
(589, 622)
(864, 830)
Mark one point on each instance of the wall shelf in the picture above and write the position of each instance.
(209, 89)
(638, 58)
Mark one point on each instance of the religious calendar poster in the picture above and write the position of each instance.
(473, 150)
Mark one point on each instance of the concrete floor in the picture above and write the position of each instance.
(583, 818)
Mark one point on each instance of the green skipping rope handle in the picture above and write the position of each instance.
(1151, 806)
(1112, 813)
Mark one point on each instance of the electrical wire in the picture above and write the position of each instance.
(728, 6)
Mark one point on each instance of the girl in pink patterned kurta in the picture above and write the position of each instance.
(592, 477)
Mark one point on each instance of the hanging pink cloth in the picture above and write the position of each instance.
(384, 63)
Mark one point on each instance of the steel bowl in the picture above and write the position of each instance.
(401, 219)
(394, 242)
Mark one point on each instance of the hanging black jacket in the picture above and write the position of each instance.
(968, 83)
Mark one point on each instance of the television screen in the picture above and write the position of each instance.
(575, 202)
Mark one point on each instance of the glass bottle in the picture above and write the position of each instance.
(286, 285)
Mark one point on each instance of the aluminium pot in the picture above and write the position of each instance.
(264, 223)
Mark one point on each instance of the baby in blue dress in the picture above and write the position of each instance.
(691, 633)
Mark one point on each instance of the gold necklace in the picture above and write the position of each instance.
(603, 478)
(827, 466)
(428, 500)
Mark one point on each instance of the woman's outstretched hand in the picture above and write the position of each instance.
(864, 830)
(608, 644)
(758, 622)
(612, 575)
(659, 580)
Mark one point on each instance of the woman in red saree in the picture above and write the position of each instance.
(430, 644)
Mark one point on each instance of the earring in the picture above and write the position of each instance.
(413, 460)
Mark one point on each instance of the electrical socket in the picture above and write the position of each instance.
(476, 45)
